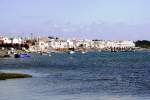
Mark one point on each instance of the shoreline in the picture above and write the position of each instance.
(7, 53)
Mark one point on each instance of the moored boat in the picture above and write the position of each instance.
(44, 54)
(83, 52)
(22, 55)
(71, 52)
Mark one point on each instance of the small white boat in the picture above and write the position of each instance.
(49, 54)
(44, 54)
(83, 52)
(71, 52)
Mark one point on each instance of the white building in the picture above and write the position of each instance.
(17, 41)
(12, 40)
(5, 40)
(70, 44)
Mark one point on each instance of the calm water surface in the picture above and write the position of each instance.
(90, 76)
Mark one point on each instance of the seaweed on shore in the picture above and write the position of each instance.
(4, 76)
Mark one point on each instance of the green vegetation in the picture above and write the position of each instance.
(22, 51)
(143, 44)
(4, 76)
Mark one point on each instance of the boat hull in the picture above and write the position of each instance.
(23, 55)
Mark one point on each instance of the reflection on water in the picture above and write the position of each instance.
(92, 76)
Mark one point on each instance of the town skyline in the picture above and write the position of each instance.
(98, 19)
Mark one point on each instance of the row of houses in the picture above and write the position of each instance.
(52, 43)
(61, 44)
(6, 40)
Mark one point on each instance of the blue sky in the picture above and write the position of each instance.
(102, 19)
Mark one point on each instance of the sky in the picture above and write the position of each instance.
(91, 19)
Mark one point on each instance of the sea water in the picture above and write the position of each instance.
(89, 76)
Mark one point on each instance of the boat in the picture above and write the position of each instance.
(83, 52)
(44, 54)
(49, 53)
(71, 52)
(21, 55)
